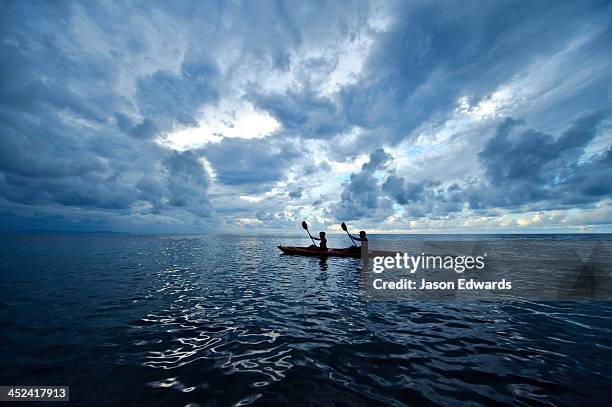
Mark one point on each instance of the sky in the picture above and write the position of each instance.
(249, 117)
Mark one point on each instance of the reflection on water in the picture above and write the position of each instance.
(323, 263)
(178, 320)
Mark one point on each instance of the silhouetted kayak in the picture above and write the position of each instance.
(312, 251)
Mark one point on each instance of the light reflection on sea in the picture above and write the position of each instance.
(226, 320)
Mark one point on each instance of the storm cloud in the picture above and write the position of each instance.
(362, 196)
(523, 168)
(203, 116)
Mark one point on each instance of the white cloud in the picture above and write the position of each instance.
(231, 120)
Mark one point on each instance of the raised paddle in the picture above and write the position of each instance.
(305, 226)
(343, 225)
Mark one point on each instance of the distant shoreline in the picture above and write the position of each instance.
(65, 232)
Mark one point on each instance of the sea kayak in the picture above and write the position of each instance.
(312, 251)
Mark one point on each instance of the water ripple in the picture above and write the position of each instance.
(183, 320)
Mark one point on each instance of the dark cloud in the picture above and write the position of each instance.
(187, 182)
(303, 113)
(175, 99)
(423, 64)
(378, 159)
(143, 130)
(254, 165)
(524, 168)
(434, 53)
(405, 192)
(296, 193)
(362, 196)
(87, 90)
(69, 139)
(36, 73)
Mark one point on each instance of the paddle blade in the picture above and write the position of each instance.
(304, 225)
(343, 225)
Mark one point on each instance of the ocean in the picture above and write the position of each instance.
(226, 320)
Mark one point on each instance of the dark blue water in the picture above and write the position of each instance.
(225, 320)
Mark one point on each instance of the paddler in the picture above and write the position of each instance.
(323, 244)
(364, 241)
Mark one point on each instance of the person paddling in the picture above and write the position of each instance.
(363, 248)
(323, 244)
(362, 236)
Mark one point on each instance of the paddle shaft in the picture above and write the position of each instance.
(347, 232)
(313, 242)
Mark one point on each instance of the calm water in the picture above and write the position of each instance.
(192, 320)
